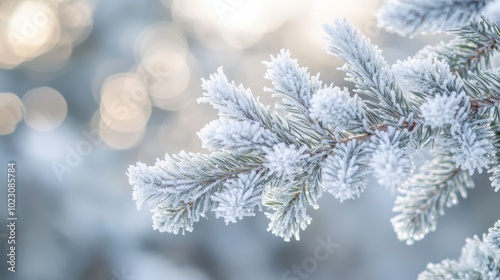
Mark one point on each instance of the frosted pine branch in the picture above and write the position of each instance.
(409, 17)
(471, 145)
(444, 110)
(436, 185)
(180, 187)
(428, 77)
(230, 100)
(321, 138)
(283, 160)
(447, 269)
(240, 197)
(336, 109)
(288, 203)
(470, 50)
(495, 170)
(444, 104)
(238, 103)
(295, 86)
(494, 236)
(390, 159)
(479, 259)
(345, 171)
(484, 87)
(291, 82)
(368, 70)
(236, 136)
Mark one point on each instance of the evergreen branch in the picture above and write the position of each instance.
(472, 145)
(409, 17)
(240, 196)
(479, 259)
(238, 103)
(180, 187)
(295, 86)
(494, 236)
(470, 50)
(425, 196)
(337, 110)
(443, 98)
(181, 217)
(389, 157)
(368, 70)
(236, 136)
(289, 200)
(484, 87)
(428, 77)
(331, 139)
(291, 83)
(443, 104)
(446, 110)
(345, 170)
(495, 170)
(446, 270)
(183, 188)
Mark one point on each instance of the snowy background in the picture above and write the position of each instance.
(104, 84)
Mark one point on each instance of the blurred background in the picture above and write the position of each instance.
(88, 87)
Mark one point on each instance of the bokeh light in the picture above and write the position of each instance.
(120, 140)
(166, 73)
(11, 112)
(32, 28)
(239, 24)
(45, 108)
(125, 105)
(162, 35)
